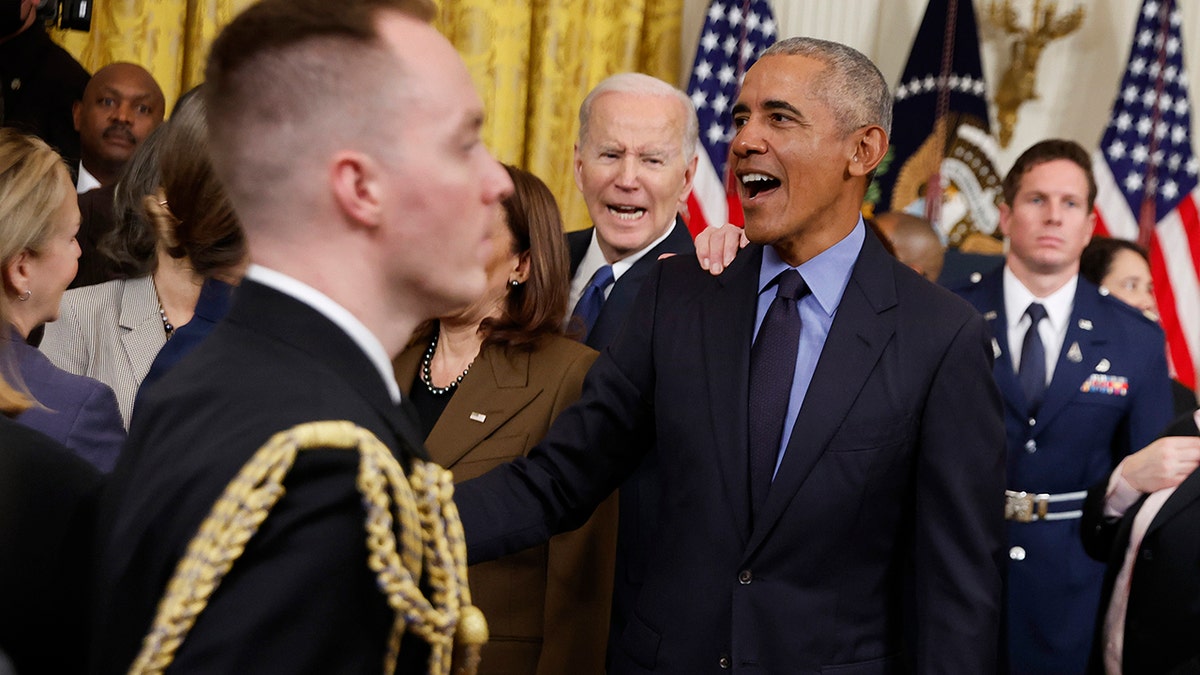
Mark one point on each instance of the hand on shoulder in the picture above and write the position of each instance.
(716, 247)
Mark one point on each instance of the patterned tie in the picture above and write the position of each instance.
(772, 369)
(592, 299)
(1032, 372)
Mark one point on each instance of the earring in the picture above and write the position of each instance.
(514, 283)
(25, 296)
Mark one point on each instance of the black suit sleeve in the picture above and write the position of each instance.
(591, 447)
(958, 559)
(1099, 532)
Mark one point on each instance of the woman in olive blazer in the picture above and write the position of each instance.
(487, 383)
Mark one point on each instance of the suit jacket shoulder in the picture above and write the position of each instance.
(678, 241)
(74, 410)
(624, 290)
(272, 364)
(110, 332)
(577, 244)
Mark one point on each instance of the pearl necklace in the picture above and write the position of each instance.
(428, 381)
(167, 326)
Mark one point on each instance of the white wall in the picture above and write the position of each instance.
(1077, 77)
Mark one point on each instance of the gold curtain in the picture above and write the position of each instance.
(532, 60)
(169, 38)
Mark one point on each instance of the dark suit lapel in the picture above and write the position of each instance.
(141, 323)
(1082, 350)
(727, 320)
(577, 244)
(1003, 369)
(616, 308)
(861, 329)
(293, 323)
(496, 389)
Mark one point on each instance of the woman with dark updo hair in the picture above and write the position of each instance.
(115, 331)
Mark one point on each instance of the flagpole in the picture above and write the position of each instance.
(933, 188)
(1148, 213)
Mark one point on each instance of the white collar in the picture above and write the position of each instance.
(595, 257)
(340, 316)
(86, 181)
(1058, 304)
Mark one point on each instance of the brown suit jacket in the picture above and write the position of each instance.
(547, 607)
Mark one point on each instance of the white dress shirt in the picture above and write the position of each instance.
(594, 259)
(86, 181)
(1052, 330)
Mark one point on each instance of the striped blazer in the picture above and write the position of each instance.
(110, 332)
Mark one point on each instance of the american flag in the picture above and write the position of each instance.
(735, 32)
(1146, 172)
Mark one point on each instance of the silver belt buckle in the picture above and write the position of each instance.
(1025, 507)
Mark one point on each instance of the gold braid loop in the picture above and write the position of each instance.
(431, 534)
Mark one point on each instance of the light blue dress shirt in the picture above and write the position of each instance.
(827, 275)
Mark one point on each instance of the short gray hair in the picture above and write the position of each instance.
(855, 89)
(640, 83)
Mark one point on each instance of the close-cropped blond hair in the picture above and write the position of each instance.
(33, 184)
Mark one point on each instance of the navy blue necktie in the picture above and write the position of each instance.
(772, 369)
(1032, 372)
(592, 299)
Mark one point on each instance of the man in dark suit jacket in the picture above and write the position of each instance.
(877, 547)
(1144, 523)
(1103, 391)
(634, 163)
(39, 80)
(120, 106)
(343, 275)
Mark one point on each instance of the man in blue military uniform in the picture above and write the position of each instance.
(1084, 381)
